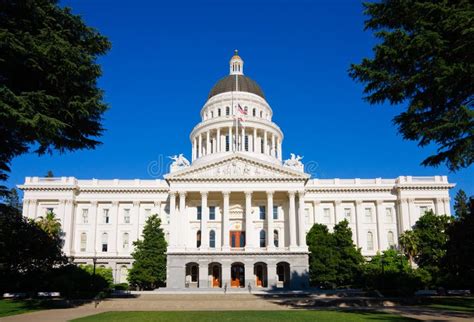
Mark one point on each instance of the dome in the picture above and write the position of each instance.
(228, 84)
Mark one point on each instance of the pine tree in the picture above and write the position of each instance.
(322, 257)
(461, 204)
(149, 267)
(350, 258)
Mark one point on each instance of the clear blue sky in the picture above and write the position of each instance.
(167, 55)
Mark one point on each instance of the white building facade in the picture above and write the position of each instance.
(237, 214)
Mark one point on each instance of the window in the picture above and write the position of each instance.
(106, 216)
(390, 239)
(83, 242)
(194, 273)
(147, 213)
(275, 212)
(347, 214)
(85, 216)
(126, 216)
(368, 215)
(198, 239)
(254, 112)
(212, 114)
(227, 143)
(261, 114)
(262, 212)
(389, 215)
(105, 238)
(212, 239)
(275, 238)
(199, 212)
(246, 143)
(227, 110)
(219, 112)
(212, 213)
(262, 238)
(327, 213)
(261, 146)
(49, 210)
(125, 240)
(370, 241)
(423, 209)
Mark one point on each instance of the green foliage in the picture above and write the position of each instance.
(461, 205)
(104, 272)
(425, 58)
(149, 267)
(13, 200)
(333, 260)
(49, 97)
(409, 243)
(120, 286)
(50, 224)
(27, 252)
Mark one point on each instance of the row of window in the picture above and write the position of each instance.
(370, 240)
(106, 215)
(105, 242)
(227, 111)
(246, 146)
(237, 238)
(212, 212)
(369, 216)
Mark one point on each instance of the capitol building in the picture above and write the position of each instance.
(236, 214)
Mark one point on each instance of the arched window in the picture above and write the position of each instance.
(212, 114)
(275, 237)
(261, 114)
(227, 110)
(105, 238)
(212, 239)
(125, 240)
(254, 112)
(263, 241)
(123, 274)
(218, 112)
(390, 239)
(198, 239)
(370, 241)
(83, 242)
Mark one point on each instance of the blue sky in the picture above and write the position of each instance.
(167, 55)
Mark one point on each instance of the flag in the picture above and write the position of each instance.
(241, 110)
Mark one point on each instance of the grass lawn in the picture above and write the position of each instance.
(12, 307)
(244, 316)
(464, 304)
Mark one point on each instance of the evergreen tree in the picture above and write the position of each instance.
(149, 267)
(461, 205)
(425, 59)
(322, 257)
(350, 258)
(13, 200)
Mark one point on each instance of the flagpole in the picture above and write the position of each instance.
(236, 117)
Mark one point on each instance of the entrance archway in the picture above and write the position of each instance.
(237, 275)
(283, 275)
(261, 274)
(215, 271)
(192, 275)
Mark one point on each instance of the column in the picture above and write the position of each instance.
(270, 242)
(447, 209)
(265, 140)
(249, 231)
(338, 212)
(439, 207)
(203, 273)
(413, 213)
(94, 220)
(182, 220)
(273, 150)
(301, 220)
(279, 149)
(218, 144)
(225, 265)
(200, 146)
(379, 217)
(225, 223)
(204, 218)
(255, 140)
(33, 208)
(316, 204)
(194, 150)
(135, 221)
(359, 215)
(173, 224)
(292, 219)
(113, 241)
(70, 213)
(242, 141)
(231, 142)
(208, 143)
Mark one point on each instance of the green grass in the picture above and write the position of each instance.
(462, 304)
(319, 316)
(12, 307)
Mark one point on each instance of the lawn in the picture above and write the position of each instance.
(463, 304)
(319, 316)
(12, 307)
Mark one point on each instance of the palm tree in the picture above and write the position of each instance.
(409, 244)
(50, 224)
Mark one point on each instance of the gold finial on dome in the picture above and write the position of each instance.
(236, 54)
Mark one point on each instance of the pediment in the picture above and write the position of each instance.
(237, 167)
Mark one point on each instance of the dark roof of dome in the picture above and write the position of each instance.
(228, 84)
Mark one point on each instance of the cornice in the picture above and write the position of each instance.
(237, 253)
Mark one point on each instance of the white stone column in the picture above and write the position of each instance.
(301, 220)
(231, 142)
(208, 143)
(219, 141)
(255, 145)
(225, 221)
(359, 215)
(33, 208)
(270, 241)
(249, 231)
(279, 149)
(182, 220)
(69, 220)
(338, 212)
(113, 241)
(94, 220)
(439, 207)
(135, 222)
(194, 150)
(265, 144)
(273, 150)
(204, 219)
(200, 146)
(447, 209)
(413, 212)
(173, 221)
(379, 217)
(292, 219)
(316, 204)
(242, 141)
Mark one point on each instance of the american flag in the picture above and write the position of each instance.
(241, 110)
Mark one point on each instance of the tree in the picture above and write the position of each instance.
(105, 273)
(409, 243)
(461, 205)
(49, 174)
(49, 97)
(13, 200)
(149, 266)
(425, 58)
(50, 224)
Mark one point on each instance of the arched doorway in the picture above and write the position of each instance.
(283, 275)
(192, 275)
(237, 275)
(215, 271)
(260, 272)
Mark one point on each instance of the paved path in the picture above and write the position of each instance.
(213, 302)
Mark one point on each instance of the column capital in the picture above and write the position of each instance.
(69, 202)
(182, 194)
(411, 200)
(115, 203)
(32, 201)
(248, 193)
(301, 193)
(439, 199)
(446, 199)
(270, 193)
(358, 202)
(337, 202)
(204, 193)
(172, 193)
(226, 193)
(94, 203)
(316, 202)
(291, 193)
(62, 201)
(379, 202)
(136, 203)
(157, 203)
